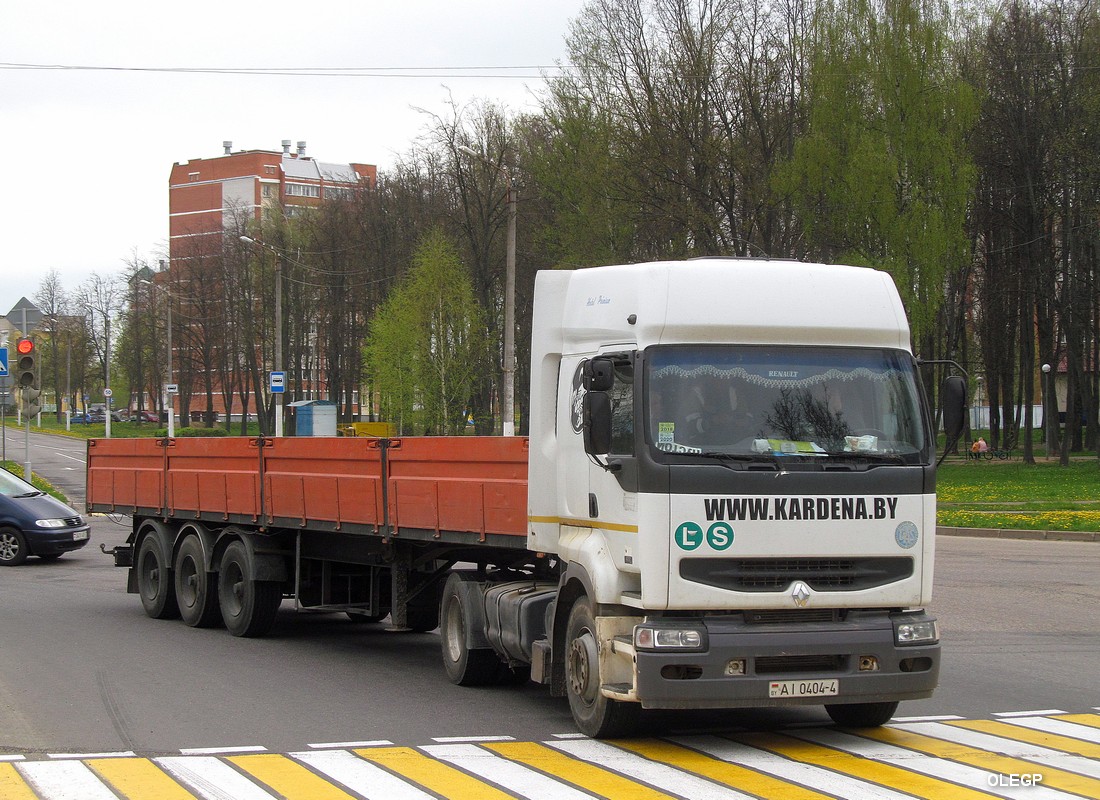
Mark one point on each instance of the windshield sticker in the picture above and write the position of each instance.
(689, 536)
(738, 509)
(666, 433)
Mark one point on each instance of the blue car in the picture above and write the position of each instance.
(34, 524)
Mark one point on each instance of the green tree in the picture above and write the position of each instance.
(882, 176)
(427, 344)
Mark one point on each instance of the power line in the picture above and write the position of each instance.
(493, 71)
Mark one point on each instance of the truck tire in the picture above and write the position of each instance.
(465, 667)
(248, 606)
(196, 594)
(154, 578)
(861, 715)
(595, 715)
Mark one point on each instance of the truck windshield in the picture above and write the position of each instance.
(774, 402)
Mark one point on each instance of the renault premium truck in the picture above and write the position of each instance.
(726, 500)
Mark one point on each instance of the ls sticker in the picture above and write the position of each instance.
(689, 536)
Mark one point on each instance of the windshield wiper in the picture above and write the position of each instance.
(878, 458)
(34, 493)
(750, 458)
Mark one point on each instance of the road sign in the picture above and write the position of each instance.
(107, 392)
(3, 362)
(173, 388)
(277, 383)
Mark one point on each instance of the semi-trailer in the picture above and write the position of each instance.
(726, 500)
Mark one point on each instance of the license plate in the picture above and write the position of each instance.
(807, 688)
(80, 536)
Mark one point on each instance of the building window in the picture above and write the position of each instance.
(269, 169)
(269, 190)
(302, 190)
(192, 176)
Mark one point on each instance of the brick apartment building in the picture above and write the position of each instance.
(207, 196)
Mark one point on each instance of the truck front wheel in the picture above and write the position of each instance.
(861, 715)
(464, 666)
(196, 594)
(595, 715)
(248, 606)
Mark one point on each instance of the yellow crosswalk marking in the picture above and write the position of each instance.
(138, 779)
(1092, 720)
(732, 775)
(983, 759)
(288, 778)
(443, 779)
(12, 786)
(589, 777)
(883, 774)
(1054, 741)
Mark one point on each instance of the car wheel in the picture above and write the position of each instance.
(13, 547)
(196, 594)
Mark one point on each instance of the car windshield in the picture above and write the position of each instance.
(770, 402)
(13, 486)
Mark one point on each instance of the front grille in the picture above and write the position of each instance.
(73, 522)
(790, 665)
(776, 574)
(792, 617)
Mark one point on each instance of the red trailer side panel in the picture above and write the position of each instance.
(473, 484)
(125, 474)
(214, 477)
(333, 480)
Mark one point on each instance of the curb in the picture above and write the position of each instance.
(998, 533)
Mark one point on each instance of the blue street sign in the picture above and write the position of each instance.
(3, 362)
(277, 384)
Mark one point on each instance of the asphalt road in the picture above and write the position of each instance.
(82, 669)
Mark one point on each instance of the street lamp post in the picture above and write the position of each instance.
(169, 402)
(278, 366)
(508, 368)
(1050, 401)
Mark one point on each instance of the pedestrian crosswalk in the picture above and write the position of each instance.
(1040, 756)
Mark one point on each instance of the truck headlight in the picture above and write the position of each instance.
(926, 632)
(681, 639)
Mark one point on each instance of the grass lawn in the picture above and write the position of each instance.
(1010, 494)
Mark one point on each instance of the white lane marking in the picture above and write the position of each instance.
(348, 745)
(516, 778)
(471, 739)
(361, 776)
(808, 775)
(1044, 713)
(666, 778)
(80, 756)
(64, 780)
(1060, 727)
(1009, 747)
(211, 778)
(220, 751)
(932, 766)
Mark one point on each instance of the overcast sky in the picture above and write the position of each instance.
(86, 154)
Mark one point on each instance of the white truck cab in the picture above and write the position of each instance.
(735, 464)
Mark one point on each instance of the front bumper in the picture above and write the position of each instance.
(790, 652)
(48, 542)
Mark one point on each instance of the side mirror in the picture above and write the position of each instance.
(599, 374)
(954, 406)
(597, 423)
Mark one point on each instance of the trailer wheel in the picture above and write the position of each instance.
(248, 606)
(196, 594)
(861, 715)
(465, 667)
(596, 715)
(154, 579)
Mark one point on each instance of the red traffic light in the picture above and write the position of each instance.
(24, 346)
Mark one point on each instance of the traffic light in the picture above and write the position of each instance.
(26, 376)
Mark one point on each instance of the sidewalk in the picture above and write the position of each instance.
(998, 533)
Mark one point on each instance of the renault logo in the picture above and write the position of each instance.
(800, 594)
